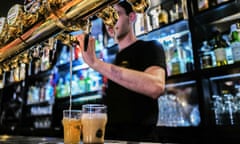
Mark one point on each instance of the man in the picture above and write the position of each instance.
(136, 79)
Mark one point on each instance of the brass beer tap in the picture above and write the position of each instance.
(108, 15)
(60, 15)
(140, 6)
(15, 20)
(3, 31)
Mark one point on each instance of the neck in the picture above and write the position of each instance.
(126, 41)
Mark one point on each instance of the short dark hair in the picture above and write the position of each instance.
(126, 5)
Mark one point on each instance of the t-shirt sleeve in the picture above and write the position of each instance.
(153, 54)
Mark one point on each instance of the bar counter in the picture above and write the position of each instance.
(11, 139)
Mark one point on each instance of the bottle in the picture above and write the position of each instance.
(235, 41)
(188, 58)
(49, 90)
(219, 47)
(206, 55)
(142, 24)
(174, 13)
(212, 3)
(203, 5)
(162, 17)
(184, 9)
(154, 17)
(177, 58)
(64, 55)
(138, 28)
(60, 88)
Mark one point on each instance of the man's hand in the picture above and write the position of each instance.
(88, 54)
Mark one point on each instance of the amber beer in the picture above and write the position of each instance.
(72, 126)
(94, 119)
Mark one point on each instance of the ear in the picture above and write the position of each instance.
(132, 16)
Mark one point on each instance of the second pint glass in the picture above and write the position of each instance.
(94, 119)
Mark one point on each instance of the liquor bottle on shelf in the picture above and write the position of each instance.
(154, 12)
(207, 55)
(49, 90)
(60, 88)
(235, 41)
(177, 56)
(142, 24)
(162, 17)
(175, 13)
(188, 55)
(212, 3)
(219, 47)
(203, 5)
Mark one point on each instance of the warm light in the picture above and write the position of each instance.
(4, 137)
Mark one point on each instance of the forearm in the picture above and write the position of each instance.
(147, 83)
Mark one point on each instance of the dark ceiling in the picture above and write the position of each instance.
(6, 5)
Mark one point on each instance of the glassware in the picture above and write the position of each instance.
(72, 126)
(94, 119)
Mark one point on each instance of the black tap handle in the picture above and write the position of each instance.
(86, 39)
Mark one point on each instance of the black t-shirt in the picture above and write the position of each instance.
(126, 107)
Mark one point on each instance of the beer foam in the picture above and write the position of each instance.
(94, 115)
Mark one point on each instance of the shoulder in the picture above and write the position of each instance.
(152, 43)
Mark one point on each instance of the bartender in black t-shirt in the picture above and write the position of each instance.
(136, 79)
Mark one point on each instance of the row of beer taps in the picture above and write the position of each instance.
(38, 20)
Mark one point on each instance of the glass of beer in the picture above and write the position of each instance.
(94, 119)
(72, 126)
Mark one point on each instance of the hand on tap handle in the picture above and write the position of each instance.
(86, 39)
(87, 46)
(86, 35)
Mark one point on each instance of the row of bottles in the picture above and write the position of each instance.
(58, 86)
(83, 81)
(206, 4)
(222, 49)
(160, 15)
(41, 91)
(43, 122)
(179, 55)
(41, 110)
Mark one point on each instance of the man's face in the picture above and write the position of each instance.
(122, 26)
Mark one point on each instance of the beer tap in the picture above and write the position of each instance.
(6, 67)
(109, 17)
(14, 20)
(68, 13)
(87, 33)
(29, 19)
(3, 31)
